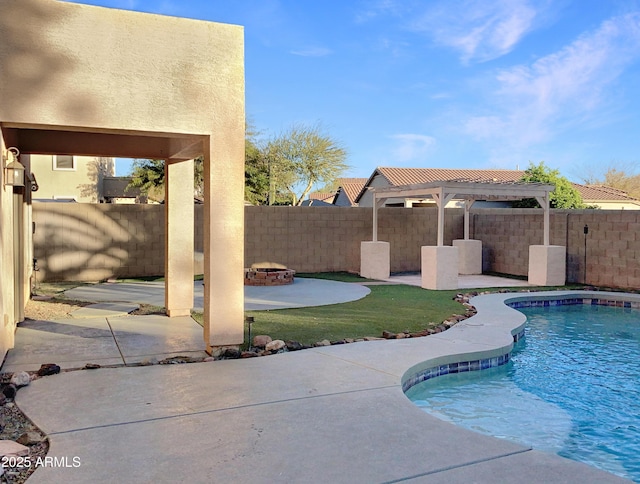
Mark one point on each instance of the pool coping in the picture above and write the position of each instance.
(498, 319)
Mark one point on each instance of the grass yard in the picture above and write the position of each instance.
(395, 308)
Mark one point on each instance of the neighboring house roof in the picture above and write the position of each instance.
(413, 176)
(324, 196)
(316, 203)
(591, 194)
(601, 193)
(350, 188)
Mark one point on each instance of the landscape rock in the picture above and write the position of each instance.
(401, 336)
(10, 391)
(324, 342)
(294, 346)
(275, 345)
(91, 366)
(230, 353)
(30, 438)
(208, 359)
(149, 362)
(261, 340)
(21, 379)
(48, 369)
(372, 338)
(248, 354)
(388, 335)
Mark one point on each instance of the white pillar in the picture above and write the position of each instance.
(179, 236)
(547, 265)
(439, 267)
(224, 236)
(375, 260)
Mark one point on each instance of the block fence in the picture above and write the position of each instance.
(89, 242)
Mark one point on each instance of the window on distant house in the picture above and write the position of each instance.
(64, 162)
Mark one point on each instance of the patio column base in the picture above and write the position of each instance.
(547, 265)
(469, 256)
(375, 260)
(439, 267)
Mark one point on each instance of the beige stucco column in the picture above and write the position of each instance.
(178, 256)
(224, 237)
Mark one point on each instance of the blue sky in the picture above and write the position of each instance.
(442, 83)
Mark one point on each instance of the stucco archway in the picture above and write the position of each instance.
(83, 80)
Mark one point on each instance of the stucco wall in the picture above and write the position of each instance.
(77, 65)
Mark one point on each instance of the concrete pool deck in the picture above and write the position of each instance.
(328, 414)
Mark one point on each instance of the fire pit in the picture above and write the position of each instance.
(268, 276)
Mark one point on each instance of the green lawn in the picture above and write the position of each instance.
(395, 308)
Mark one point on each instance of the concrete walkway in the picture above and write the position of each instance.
(105, 333)
(332, 414)
(303, 292)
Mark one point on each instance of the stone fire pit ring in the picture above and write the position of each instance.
(269, 274)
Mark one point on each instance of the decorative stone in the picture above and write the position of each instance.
(230, 353)
(48, 369)
(208, 359)
(149, 362)
(21, 379)
(324, 342)
(401, 336)
(275, 345)
(294, 346)
(372, 338)
(91, 366)
(261, 340)
(10, 391)
(30, 438)
(388, 335)
(9, 448)
(249, 354)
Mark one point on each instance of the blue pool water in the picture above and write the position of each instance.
(572, 387)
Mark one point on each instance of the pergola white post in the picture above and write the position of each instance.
(469, 251)
(439, 264)
(547, 263)
(375, 256)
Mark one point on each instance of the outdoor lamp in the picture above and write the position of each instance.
(14, 171)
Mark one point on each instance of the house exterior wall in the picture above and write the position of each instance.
(95, 81)
(7, 274)
(84, 183)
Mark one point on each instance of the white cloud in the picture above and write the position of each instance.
(478, 29)
(312, 52)
(411, 147)
(569, 86)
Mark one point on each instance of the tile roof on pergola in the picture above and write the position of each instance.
(468, 190)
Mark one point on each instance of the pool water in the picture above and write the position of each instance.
(572, 387)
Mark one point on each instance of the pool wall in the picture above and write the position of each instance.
(497, 318)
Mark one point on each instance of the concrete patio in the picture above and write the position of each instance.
(327, 414)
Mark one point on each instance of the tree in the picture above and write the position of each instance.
(301, 158)
(563, 196)
(620, 179)
(148, 176)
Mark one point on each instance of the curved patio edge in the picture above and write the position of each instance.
(497, 319)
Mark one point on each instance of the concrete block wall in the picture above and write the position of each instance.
(91, 242)
(75, 241)
(316, 239)
(612, 244)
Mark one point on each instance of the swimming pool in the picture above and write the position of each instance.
(571, 387)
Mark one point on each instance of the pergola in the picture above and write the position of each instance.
(375, 261)
(443, 192)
